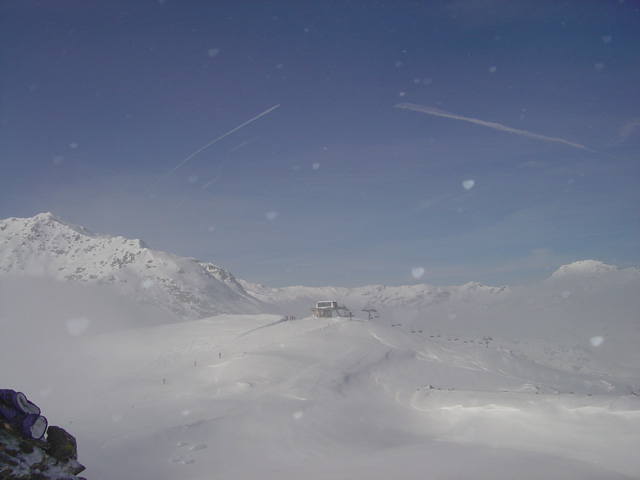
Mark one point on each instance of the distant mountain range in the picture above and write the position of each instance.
(47, 246)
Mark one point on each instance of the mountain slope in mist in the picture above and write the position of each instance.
(49, 247)
(520, 382)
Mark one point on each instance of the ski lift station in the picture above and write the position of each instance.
(326, 308)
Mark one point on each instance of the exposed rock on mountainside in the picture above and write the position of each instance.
(47, 246)
(23, 458)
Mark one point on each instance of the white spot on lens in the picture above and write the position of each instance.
(468, 184)
(212, 52)
(599, 66)
(315, 166)
(492, 69)
(271, 215)
(597, 341)
(417, 272)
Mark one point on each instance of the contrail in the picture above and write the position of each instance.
(496, 126)
(208, 145)
(217, 177)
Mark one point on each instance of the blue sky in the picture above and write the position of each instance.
(103, 105)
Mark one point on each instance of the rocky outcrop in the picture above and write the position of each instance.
(22, 458)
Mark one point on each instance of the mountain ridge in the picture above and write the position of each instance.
(47, 246)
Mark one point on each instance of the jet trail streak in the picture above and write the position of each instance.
(208, 145)
(496, 126)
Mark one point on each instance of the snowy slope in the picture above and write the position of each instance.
(50, 247)
(256, 397)
(448, 382)
(582, 304)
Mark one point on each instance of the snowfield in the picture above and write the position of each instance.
(444, 382)
(259, 397)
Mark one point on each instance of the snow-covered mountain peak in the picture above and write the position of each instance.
(584, 267)
(45, 222)
(47, 246)
(53, 221)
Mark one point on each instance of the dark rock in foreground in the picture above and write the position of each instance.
(21, 457)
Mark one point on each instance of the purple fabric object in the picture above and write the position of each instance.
(34, 425)
(18, 410)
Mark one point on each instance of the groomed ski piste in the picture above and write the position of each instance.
(260, 397)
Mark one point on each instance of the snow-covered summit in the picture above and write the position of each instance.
(47, 246)
(592, 274)
(584, 267)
